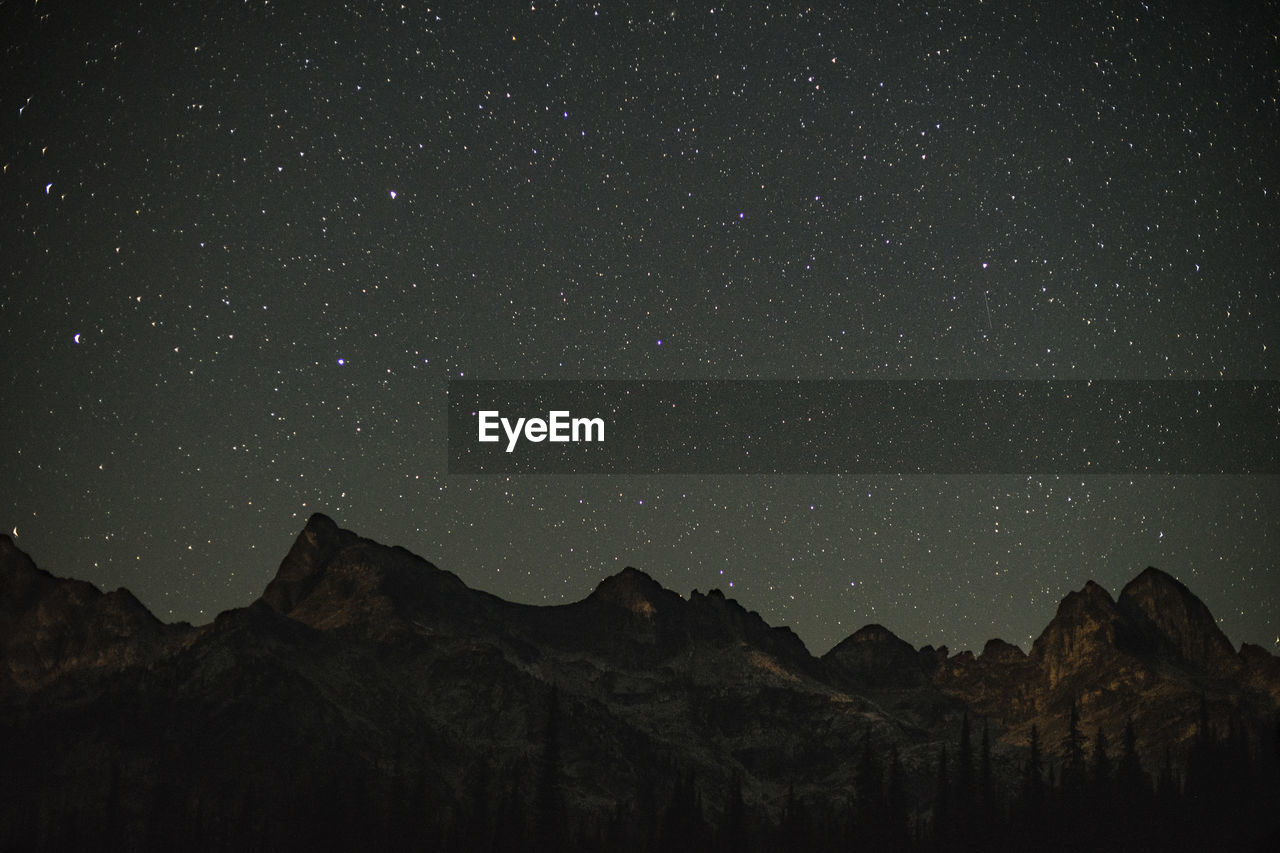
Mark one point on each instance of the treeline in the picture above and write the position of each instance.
(1090, 790)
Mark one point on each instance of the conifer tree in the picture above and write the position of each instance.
(964, 772)
(986, 783)
(1101, 765)
(1073, 758)
(942, 819)
(1132, 786)
(896, 804)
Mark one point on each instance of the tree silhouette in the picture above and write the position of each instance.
(896, 805)
(942, 818)
(1074, 765)
(1132, 785)
(964, 799)
(986, 784)
(1029, 814)
(1100, 766)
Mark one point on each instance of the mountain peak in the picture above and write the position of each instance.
(334, 579)
(874, 657)
(1094, 590)
(1084, 630)
(51, 625)
(300, 570)
(1162, 604)
(632, 590)
(1001, 652)
(877, 633)
(1092, 601)
(1151, 577)
(320, 523)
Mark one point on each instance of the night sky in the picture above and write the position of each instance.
(246, 245)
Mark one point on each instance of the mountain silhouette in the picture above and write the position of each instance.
(369, 698)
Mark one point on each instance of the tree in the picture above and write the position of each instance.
(1132, 786)
(1100, 765)
(964, 779)
(1074, 765)
(986, 783)
(1206, 780)
(942, 818)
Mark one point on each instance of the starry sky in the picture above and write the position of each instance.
(245, 246)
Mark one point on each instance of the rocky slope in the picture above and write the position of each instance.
(366, 678)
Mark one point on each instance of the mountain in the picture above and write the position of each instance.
(369, 698)
(53, 627)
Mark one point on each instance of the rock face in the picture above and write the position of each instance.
(1085, 635)
(1149, 657)
(1180, 625)
(51, 627)
(334, 580)
(368, 683)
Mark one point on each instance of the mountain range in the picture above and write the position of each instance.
(371, 698)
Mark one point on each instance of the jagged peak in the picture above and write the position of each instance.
(125, 599)
(1095, 590)
(316, 545)
(23, 584)
(321, 525)
(1088, 625)
(1151, 579)
(1154, 590)
(14, 559)
(634, 590)
(1159, 601)
(1090, 604)
(1000, 651)
(733, 617)
(629, 579)
(1091, 594)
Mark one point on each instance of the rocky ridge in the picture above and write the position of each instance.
(366, 662)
